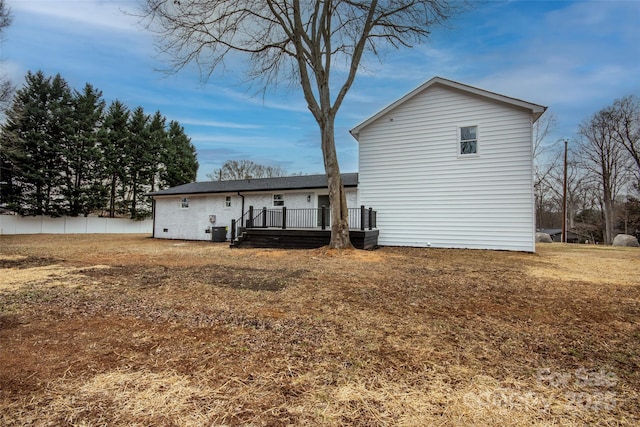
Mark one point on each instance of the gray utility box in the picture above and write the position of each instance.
(219, 234)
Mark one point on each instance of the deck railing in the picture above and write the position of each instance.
(359, 219)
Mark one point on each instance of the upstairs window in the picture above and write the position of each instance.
(468, 140)
(227, 201)
(278, 200)
(184, 203)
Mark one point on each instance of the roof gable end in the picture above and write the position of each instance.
(536, 110)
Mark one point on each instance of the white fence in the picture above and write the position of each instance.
(13, 224)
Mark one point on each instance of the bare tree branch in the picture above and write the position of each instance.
(626, 126)
(245, 169)
(298, 42)
(6, 88)
(604, 158)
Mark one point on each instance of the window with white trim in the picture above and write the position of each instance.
(184, 203)
(227, 201)
(278, 200)
(468, 140)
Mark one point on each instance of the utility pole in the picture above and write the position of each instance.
(564, 196)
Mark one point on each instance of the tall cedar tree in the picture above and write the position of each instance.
(139, 162)
(60, 135)
(179, 158)
(26, 156)
(114, 137)
(60, 154)
(157, 143)
(83, 189)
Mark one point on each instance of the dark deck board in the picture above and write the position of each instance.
(301, 238)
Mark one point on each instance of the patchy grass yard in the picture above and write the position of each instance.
(127, 330)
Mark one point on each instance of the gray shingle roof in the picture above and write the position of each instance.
(259, 184)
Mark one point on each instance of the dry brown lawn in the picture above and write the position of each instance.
(127, 330)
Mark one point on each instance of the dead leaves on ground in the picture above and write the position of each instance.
(96, 330)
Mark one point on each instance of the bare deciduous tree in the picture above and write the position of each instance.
(245, 169)
(542, 129)
(625, 114)
(603, 157)
(549, 193)
(545, 160)
(6, 88)
(300, 42)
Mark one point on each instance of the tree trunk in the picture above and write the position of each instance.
(339, 211)
(112, 198)
(133, 212)
(608, 215)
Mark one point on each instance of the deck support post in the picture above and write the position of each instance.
(284, 217)
(250, 219)
(362, 217)
(264, 217)
(370, 218)
(323, 219)
(233, 230)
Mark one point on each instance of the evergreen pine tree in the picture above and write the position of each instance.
(138, 160)
(83, 190)
(61, 154)
(114, 137)
(158, 141)
(59, 136)
(180, 161)
(24, 149)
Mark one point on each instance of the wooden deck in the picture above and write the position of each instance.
(300, 238)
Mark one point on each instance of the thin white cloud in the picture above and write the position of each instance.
(219, 124)
(600, 16)
(12, 70)
(112, 15)
(581, 59)
(419, 62)
(240, 141)
(575, 57)
(266, 102)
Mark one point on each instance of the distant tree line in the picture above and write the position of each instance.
(64, 153)
(603, 174)
(245, 169)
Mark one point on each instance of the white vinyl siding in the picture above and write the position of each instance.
(426, 195)
(192, 223)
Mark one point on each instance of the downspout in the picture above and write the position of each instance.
(242, 211)
(153, 215)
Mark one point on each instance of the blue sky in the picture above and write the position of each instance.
(574, 57)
